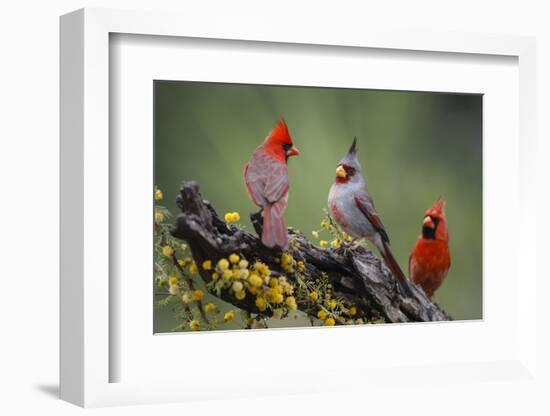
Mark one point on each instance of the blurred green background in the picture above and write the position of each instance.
(413, 147)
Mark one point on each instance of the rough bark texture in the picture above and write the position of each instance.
(356, 275)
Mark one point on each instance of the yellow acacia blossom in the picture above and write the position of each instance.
(232, 217)
(223, 264)
(352, 311)
(255, 280)
(314, 296)
(159, 217)
(237, 287)
(207, 265)
(209, 307)
(234, 258)
(300, 266)
(240, 295)
(167, 251)
(229, 315)
(198, 295)
(346, 237)
(174, 290)
(287, 262)
(186, 297)
(254, 290)
(193, 268)
(291, 303)
(322, 315)
(315, 234)
(330, 322)
(215, 276)
(173, 280)
(158, 194)
(262, 269)
(227, 274)
(194, 325)
(243, 264)
(332, 304)
(323, 243)
(260, 304)
(277, 298)
(335, 243)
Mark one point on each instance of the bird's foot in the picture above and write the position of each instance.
(351, 247)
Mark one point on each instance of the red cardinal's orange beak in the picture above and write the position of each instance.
(428, 222)
(292, 152)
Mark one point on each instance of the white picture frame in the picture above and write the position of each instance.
(86, 356)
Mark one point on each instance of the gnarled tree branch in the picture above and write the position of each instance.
(357, 275)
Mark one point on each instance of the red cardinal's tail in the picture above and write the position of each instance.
(274, 233)
(395, 269)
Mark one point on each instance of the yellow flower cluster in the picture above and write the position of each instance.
(158, 194)
(337, 235)
(335, 243)
(287, 262)
(229, 315)
(159, 217)
(173, 285)
(256, 279)
(232, 217)
(168, 251)
(194, 325)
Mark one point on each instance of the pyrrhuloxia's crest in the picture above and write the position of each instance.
(350, 159)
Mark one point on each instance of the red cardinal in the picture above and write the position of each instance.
(266, 179)
(352, 207)
(430, 258)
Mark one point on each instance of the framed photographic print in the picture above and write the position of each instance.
(226, 195)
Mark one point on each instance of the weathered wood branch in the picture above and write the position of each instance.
(357, 276)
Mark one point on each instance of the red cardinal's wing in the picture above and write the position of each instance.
(366, 206)
(266, 179)
(276, 186)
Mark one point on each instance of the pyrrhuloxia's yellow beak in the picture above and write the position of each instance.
(428, 222)
(292, 152)
(340, 172)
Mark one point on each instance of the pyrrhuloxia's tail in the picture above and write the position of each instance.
(274, 233)
(394, 267)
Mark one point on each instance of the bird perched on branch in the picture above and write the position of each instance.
(267, 183)
(430, 258)
(352, 208)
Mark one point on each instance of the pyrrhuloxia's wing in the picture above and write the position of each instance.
(366, 206)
